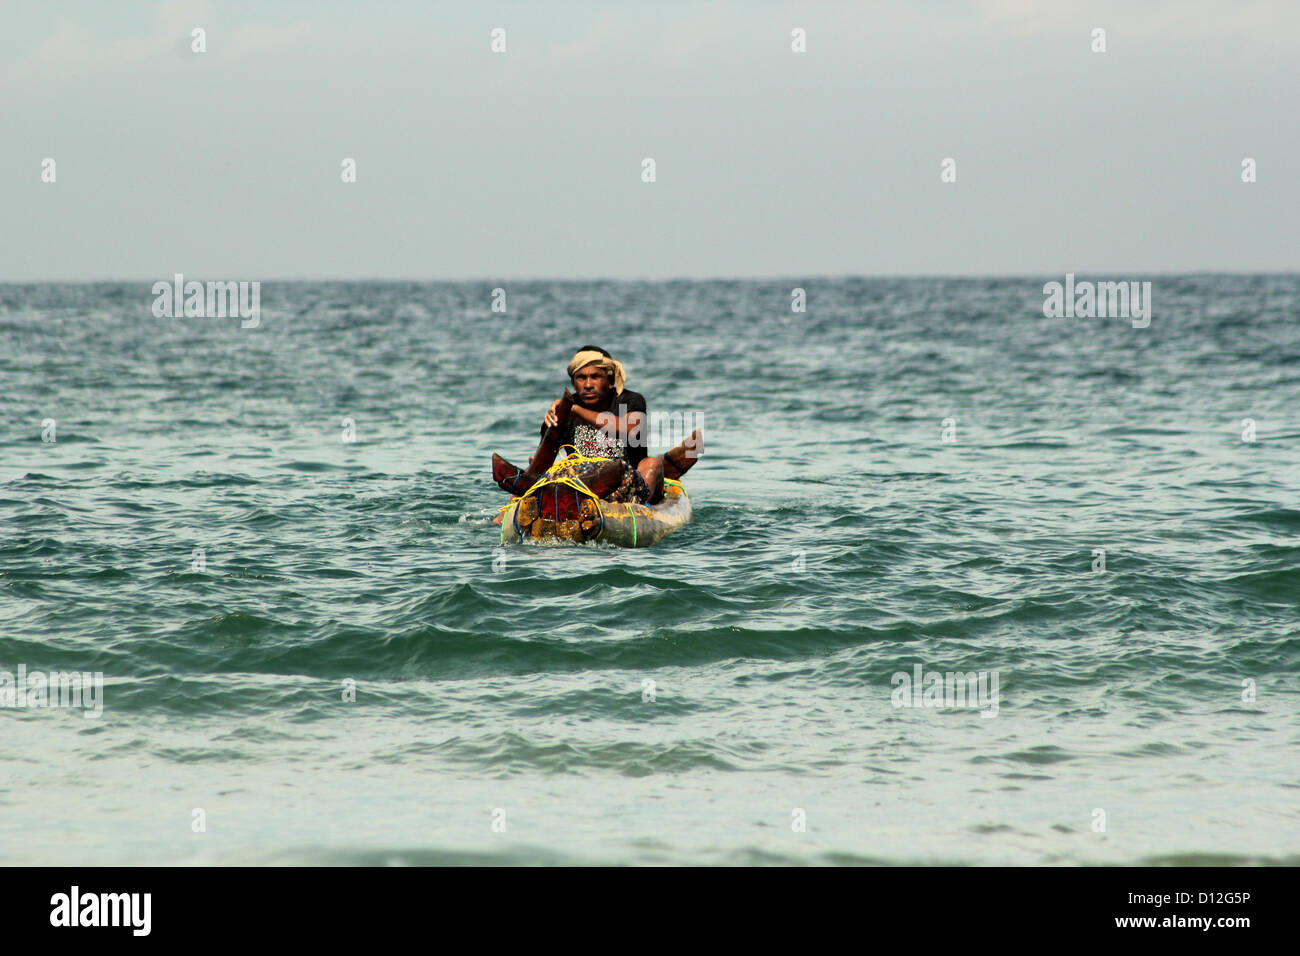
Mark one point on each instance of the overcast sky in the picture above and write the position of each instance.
(527, 164)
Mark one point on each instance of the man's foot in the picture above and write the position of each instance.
(678, 460)
(511, 479)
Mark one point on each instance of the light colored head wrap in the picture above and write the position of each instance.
(592, 357)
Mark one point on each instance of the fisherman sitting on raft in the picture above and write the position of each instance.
(602, 419)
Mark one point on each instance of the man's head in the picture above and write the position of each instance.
(596, 376)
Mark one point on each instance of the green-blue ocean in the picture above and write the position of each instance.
(314, 651)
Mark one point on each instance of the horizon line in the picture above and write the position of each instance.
(665, 279)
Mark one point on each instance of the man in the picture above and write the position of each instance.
(602, 419)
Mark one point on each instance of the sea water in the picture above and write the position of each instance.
(965, 583)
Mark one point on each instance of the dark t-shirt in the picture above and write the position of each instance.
(594, 442)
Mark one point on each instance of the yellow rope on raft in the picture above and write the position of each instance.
(573, 458)
(577, 484)
(549, 478)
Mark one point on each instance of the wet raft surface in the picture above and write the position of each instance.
(561, 513)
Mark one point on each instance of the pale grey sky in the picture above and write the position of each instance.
(527, 164)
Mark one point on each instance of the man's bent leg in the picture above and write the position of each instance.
(652, 472)
(679, 459)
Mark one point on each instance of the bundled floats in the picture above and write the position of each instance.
(560, 508)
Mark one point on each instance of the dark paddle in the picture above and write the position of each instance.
(550, 445)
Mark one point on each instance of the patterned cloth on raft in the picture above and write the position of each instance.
(631, 489)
